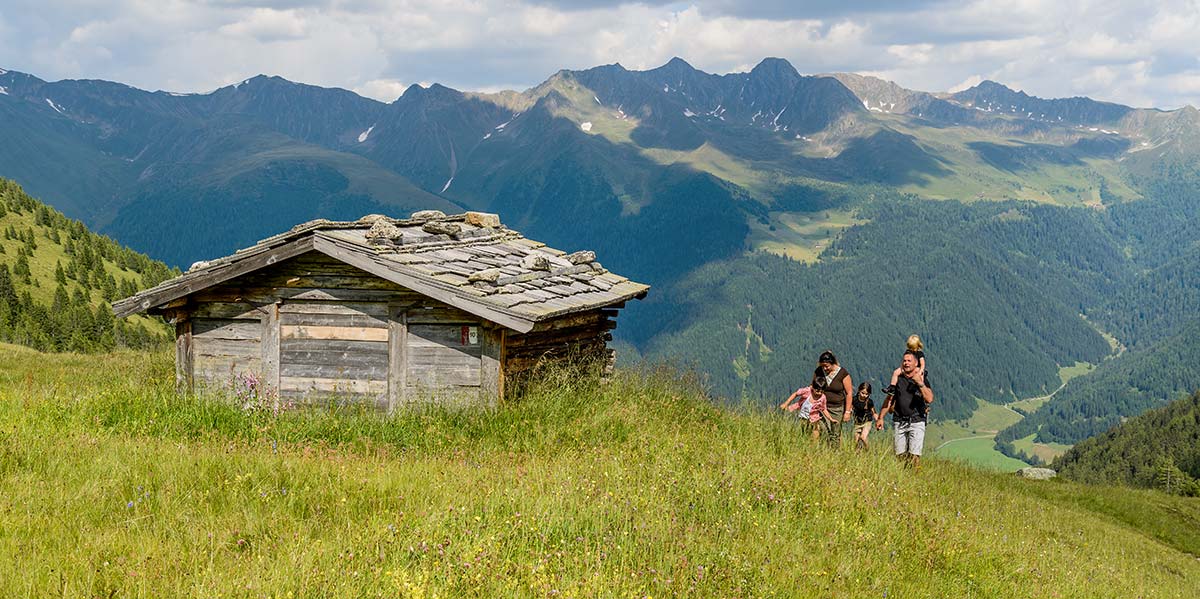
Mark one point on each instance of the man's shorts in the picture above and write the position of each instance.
(858, 428)
(910, 437)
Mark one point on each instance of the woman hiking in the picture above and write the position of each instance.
(839, 388)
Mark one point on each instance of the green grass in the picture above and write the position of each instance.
(47, 256)
(1048, 452)
(111, 485)
(980, 452)
(972, 442)
(800, 236)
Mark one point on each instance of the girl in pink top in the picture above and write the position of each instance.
(809, 402)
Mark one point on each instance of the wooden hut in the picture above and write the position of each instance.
(387, 311)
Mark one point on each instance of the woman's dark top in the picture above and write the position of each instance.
(835, 393)
(862, 409)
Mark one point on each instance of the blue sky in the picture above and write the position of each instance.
(1142, 54)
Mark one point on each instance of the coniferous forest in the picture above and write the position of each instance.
(58, 279)
(1160, 448)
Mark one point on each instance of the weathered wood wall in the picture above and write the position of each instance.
(312, 327)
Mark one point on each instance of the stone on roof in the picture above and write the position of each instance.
(470, 261)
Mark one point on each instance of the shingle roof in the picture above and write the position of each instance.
(469, 261)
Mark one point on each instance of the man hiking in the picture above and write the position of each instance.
(908, 400)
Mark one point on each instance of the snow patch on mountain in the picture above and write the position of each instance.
(587, 126)
(501, 126)
(3, 91)
(56, 107)
(688, 113)
(447, 185)
(365, 134)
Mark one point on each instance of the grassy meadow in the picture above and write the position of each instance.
(112, 486)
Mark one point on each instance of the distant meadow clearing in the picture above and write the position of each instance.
(112, 486)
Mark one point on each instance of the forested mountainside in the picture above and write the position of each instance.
(57, 280)
(1160, 448)
(775, 214)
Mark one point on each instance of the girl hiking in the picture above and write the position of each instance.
(864, 415)
(810, 407)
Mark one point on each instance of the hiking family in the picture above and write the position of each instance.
(830, 400)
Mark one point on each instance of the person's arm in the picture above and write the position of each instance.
(871, 405)
(849, 398)
(788, 401)
(883, 412)
(895, 377)
(921, 364)
(926, 392)
(827, 416)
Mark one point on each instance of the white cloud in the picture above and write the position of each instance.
(967, 83)
(384, 90)
(267, 25)
(1143, 54)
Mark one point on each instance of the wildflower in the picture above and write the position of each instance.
(129, 505)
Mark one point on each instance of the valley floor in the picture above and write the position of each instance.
(110, 485)
(973, 441)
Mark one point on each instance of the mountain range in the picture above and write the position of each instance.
(774, 212)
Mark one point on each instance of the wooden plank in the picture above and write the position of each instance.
(589, 318)
(377, 372)
(446, 335)
(343, 333)
(188, 284)
(339, 346)
(226, 310)
(226, 328)
(334, 320)
(430, 313)
(225, 370)
(270, 349)
(557, 336)
(266, 295)
(434, 378)
(377, 355)
(397, 359)
(437, 357)
(323, 281)
(379, 309)
(203, 346)
(332, 385)
(184, 371)
(490, 380)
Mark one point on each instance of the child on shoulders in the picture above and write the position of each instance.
(914, 345)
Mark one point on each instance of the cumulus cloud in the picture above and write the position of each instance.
(267, 25)
(1133, 53)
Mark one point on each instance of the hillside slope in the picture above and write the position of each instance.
(57, 280)
(1160, 448)
(641, 487)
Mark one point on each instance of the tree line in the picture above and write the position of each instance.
(90, 272)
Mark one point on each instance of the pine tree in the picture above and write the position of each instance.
(59, 275)
(21, 269)
(1171, 479)
(8, 292)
